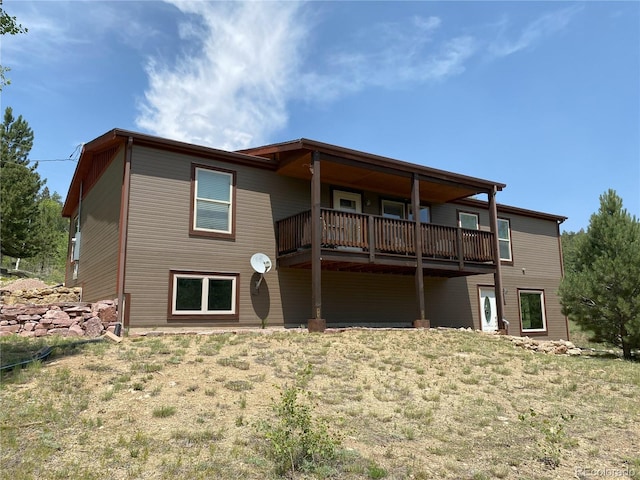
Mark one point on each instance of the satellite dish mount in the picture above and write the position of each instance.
(261, 263)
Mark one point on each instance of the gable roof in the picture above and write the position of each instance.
(90, 163)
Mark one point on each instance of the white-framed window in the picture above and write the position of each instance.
(425, 214)
(468, 220)
(347, 201)
(213, 200)
(393, 209)
(504, 239)
(532, 311)
(204, 294)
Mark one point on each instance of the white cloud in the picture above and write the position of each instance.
(58, 31)
(245, 65)
(231, 90)
(534, 32)
(391, 56)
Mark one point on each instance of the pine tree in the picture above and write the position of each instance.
(601, 292)
(19, 187)
(8, 26)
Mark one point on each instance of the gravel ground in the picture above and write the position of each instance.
(24, 284)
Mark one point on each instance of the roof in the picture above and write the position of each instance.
(284, 157)
(472, 202)
(369, 159)
(119, 138)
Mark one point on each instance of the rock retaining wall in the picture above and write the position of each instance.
(66, 319)
(40, 296)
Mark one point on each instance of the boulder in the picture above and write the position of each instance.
(93, 327)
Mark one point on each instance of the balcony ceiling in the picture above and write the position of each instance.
(349, 174)
(366, 171)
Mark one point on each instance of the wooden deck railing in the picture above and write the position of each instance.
(379, 235)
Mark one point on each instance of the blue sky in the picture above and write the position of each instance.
(542, 96)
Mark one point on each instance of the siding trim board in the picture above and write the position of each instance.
(123, 227)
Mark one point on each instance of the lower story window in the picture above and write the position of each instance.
(532, 309)
(204, 295)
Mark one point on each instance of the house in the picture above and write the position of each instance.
(169, 229)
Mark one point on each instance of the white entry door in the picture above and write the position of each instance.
(488, 310)
(347, 230)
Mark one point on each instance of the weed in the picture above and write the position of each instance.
(375, 472)
(238, 385)
(163, 412)
(293, 440)
(210, 392)
(552, 435)
(233, 362)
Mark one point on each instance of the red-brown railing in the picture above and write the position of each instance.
(379, 235)
(393, 236)
(294, 232)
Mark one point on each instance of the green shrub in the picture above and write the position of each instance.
(294, 439)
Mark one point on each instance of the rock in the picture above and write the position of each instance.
(107, 313)
(76, 331)
(560, 349)
(27, 334)
(58, 318)
(40, 332)
(35, 310)
(573, 352)
(78, 309)
(93, 327)
(58, 331)
(29, 326)
(10, 328)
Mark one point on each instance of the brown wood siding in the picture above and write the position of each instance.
(349, 299)
(99, 223)
(159, 241)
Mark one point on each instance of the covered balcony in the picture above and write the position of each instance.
(371, 243)
(347, 239)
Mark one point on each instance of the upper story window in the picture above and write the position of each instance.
(468, 220)
(392, 209)
(400, 210)
(213, 195)
(425, 214)
(504, 239)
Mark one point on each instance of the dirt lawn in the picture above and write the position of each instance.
(421, 404)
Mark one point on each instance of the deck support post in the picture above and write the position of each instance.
(316, 323)
(497, 276)
(421, 320)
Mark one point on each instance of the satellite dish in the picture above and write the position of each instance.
(261, 263)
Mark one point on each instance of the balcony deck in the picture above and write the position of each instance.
(370, 243)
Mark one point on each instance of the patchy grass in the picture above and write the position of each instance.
(404, 404)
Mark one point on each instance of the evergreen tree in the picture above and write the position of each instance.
(51, 236)
(8, 26)
(19, 187)
(601, 288)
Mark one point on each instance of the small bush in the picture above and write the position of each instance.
(294, 440)
(163, 412)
